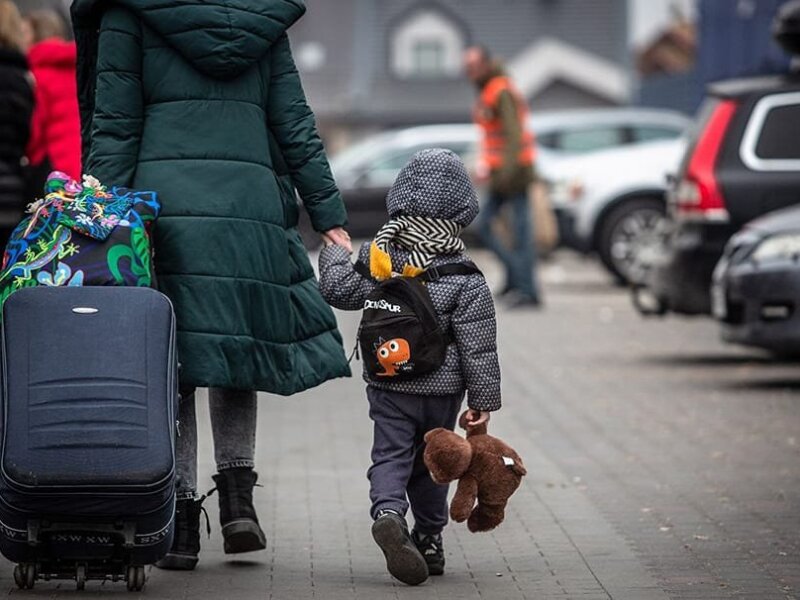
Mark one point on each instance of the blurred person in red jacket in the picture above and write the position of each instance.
(55, 129)
(16, 107)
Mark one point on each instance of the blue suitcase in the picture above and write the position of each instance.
(89, 402)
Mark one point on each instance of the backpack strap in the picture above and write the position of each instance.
(434, 273)
(430, 274)
(362, 269)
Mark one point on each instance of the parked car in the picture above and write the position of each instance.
(366, 170)
(573, 132)
(613, 202)
(755, 291)
(743, 161)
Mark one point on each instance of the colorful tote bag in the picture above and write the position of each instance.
(81, 234)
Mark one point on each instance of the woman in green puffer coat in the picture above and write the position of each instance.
(201, 101)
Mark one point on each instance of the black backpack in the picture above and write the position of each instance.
(400, 336)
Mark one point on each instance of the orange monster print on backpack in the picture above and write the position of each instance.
(393, 356)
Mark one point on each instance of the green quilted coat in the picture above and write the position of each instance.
(201, 102)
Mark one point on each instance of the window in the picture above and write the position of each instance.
(393, 162)
(428, 58)
(427, 44)
(588, 140)
(770, 138)
(385, 168)
(651, 133)
(548, 140)
(780, 134)
(382, 171)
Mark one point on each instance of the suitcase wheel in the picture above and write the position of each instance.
(25, 576)
(135, 578)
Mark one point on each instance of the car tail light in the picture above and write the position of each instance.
(697, 195)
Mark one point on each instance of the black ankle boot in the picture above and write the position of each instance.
(403, 560)
(240, 529)
(432, 550)
(182, 556)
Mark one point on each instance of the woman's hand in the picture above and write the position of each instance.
(339, 237)
(477, 417)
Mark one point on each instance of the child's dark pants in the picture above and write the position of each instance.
(401, 422)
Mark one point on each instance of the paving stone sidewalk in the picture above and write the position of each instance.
(661, 465)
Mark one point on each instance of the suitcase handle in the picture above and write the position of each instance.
(125, 530)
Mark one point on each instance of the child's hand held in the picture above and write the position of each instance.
(339, 237)
(477, 417)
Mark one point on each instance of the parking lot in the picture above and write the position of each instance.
(662, 464)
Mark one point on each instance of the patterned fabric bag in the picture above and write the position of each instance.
(81, 234)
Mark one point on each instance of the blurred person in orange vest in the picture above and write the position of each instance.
(506, 164)
(55, 129)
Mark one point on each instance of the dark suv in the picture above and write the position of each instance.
(743, 161)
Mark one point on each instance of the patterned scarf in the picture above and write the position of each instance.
(424, 237)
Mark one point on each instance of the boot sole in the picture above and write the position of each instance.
(403, 560)
(243, 536)
(178, 562)
(435, 569)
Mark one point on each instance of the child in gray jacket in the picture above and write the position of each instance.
(432, 200)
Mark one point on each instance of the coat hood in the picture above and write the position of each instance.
(53, 53)
(221, 38)
(434, 184)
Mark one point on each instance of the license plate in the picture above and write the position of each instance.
(719, 296)
(719, 302)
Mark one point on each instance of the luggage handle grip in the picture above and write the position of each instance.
(126, 530)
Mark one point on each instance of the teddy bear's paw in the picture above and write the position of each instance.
(485, 520)
(460, 514)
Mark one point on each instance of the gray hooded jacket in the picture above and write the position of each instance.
(434, 184)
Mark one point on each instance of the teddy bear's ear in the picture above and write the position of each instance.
(433, 433)
(447, 455)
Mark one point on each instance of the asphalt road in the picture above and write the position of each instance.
(662, 464)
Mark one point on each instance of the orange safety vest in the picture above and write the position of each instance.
(488, 118)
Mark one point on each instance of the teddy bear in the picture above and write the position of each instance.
(487, 468)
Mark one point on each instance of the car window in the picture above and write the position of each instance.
(651, 133)
(393, 162)
(780, 133)
(548, 140)
(356, 154)
(384, 169)
(590, 139)
(770, 138)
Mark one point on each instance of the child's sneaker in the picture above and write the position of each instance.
(432, 550)
(403, 560)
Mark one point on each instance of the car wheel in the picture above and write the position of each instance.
(629, 235)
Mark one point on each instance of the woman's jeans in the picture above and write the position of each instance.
(233, 426)
(520, 259)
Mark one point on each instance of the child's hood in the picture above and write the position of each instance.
(434, 184)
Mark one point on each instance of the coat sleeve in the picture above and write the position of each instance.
(119, 104)
(292, 123)
(475, 329)
(340, 284)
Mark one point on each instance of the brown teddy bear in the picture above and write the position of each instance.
(487, 469)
